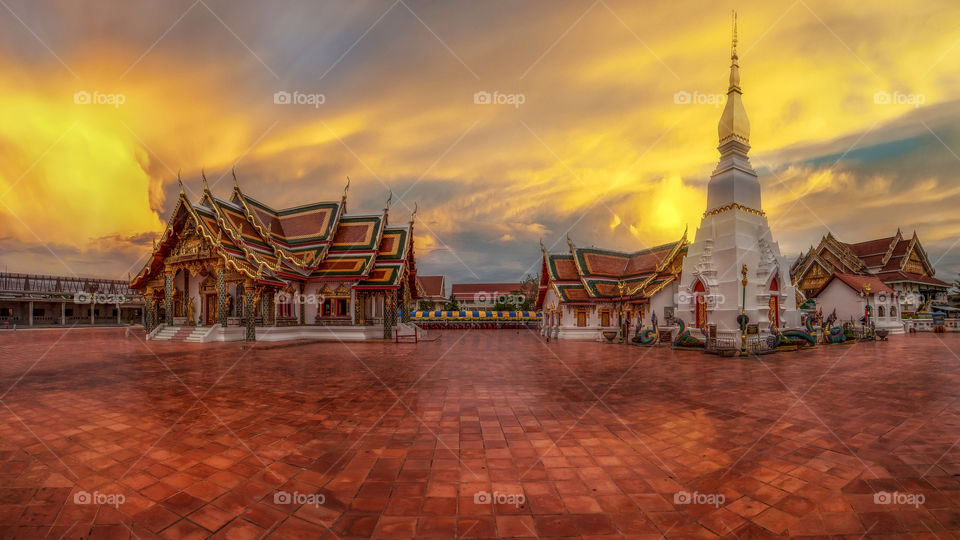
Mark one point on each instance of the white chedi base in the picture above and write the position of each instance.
(723, 244)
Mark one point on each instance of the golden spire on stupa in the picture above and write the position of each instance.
(734, 124)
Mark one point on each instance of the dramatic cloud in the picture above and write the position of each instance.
(606, 130)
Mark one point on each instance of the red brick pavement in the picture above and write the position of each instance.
(199, 440)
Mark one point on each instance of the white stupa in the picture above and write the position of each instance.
(734, 232)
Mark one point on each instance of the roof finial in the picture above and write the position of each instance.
(204, 177)
(543, 249)
(414, 213)
(389, 199)
(346, 188)
(180, 181)
(236, 183)
(733, 48)
(734, 125)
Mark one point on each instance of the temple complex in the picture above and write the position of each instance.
(586, 291)
(238, 269)
(899, 262)
(734, 265)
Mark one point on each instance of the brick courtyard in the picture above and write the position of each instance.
(576, 440)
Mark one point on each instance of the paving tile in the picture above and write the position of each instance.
(497, 414)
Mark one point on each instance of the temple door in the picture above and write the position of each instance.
(210, 313)
(581, 318)
(774, 303)
(700, 297)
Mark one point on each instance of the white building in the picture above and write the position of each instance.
(847, 294)
(734, 234)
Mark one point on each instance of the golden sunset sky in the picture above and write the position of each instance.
(853, 106)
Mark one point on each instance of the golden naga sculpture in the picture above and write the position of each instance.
(190, 318)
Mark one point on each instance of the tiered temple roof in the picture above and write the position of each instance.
(894, 259)
(590, 275)
(312, 242)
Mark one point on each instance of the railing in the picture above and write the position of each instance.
(39, 283)
(926, 325)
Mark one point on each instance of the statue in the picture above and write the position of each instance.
(190, 318)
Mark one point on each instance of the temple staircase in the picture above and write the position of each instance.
(193, 334)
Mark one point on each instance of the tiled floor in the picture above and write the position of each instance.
(578, 440)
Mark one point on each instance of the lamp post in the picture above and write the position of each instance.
(866, 315)
(743, 313)
(620, 313)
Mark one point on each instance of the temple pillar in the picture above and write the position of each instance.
(249, 315)
(168, 298)
(302, 304)
(148, 313)
(30, 313)
(63, 313)
(93, 314)
(119, 311)
(221, 299)
(389, 315)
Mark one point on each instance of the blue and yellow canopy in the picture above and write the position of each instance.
(475, 315)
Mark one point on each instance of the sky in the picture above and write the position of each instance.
(603, 121)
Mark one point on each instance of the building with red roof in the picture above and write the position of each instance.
(586, 290)
(849, 295)
(225, 266)
(899, 262)
(483, 296)
(432, 289)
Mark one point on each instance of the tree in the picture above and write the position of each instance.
(529, 287)
(425, 305)
(452, 304)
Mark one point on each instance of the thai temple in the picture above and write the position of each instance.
(588, 290)
(897, 261)
(237, 269)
